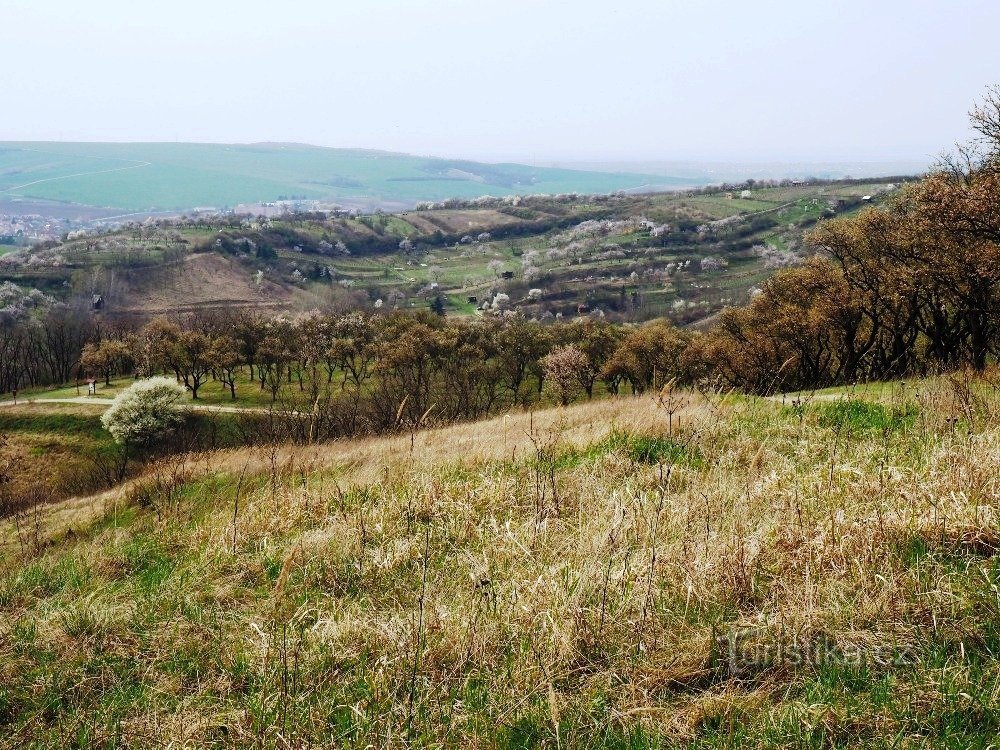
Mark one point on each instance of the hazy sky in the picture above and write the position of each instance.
(508, 79)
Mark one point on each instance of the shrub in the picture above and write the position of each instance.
(145, 411)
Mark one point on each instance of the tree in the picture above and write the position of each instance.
(648, 358)
(65, 331)
(564, 367)
(225, 355)
(437, 305)
(520, 345)
(278, 350)
(191, 354)
(145, 411)
(249, 332)
(598, 340)
(957, 215)
(409, 359)
(806, 328)
(108, 358)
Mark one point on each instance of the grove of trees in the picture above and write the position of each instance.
(909, 287)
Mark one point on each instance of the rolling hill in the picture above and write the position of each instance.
(683, 255)
(180, 176)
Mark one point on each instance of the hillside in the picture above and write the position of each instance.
(682, 255)
(142, 177)
(707, 572)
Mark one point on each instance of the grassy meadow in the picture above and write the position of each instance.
(697, 570)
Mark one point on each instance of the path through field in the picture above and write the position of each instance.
(96, 401)
(78, 174)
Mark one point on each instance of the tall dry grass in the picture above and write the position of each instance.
(707, 570)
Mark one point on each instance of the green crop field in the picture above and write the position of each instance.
(177, 176)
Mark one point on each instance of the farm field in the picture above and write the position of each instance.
(173, 176)
(599, 576)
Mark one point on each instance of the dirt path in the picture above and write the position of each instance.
(96, 401)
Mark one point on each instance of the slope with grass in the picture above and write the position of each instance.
(48, 451)
(698, 571)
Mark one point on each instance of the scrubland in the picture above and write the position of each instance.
(695, 569)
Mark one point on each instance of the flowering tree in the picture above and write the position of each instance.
(144, 411)
(564, 367)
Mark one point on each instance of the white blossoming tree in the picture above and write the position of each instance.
(146, 410)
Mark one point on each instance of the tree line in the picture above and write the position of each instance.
(381, 371)
(908, 287)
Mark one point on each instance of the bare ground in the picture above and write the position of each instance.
(206, 280)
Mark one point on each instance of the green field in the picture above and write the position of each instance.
(178, 176)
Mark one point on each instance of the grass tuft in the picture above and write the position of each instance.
(856, 416)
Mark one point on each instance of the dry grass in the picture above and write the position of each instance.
(204, 280)
(573, 578)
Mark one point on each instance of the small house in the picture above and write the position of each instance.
(97, 302)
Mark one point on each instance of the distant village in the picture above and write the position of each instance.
(22, 230)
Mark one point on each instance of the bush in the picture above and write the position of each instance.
(145, 411)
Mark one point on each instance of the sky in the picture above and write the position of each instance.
(518, 80)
